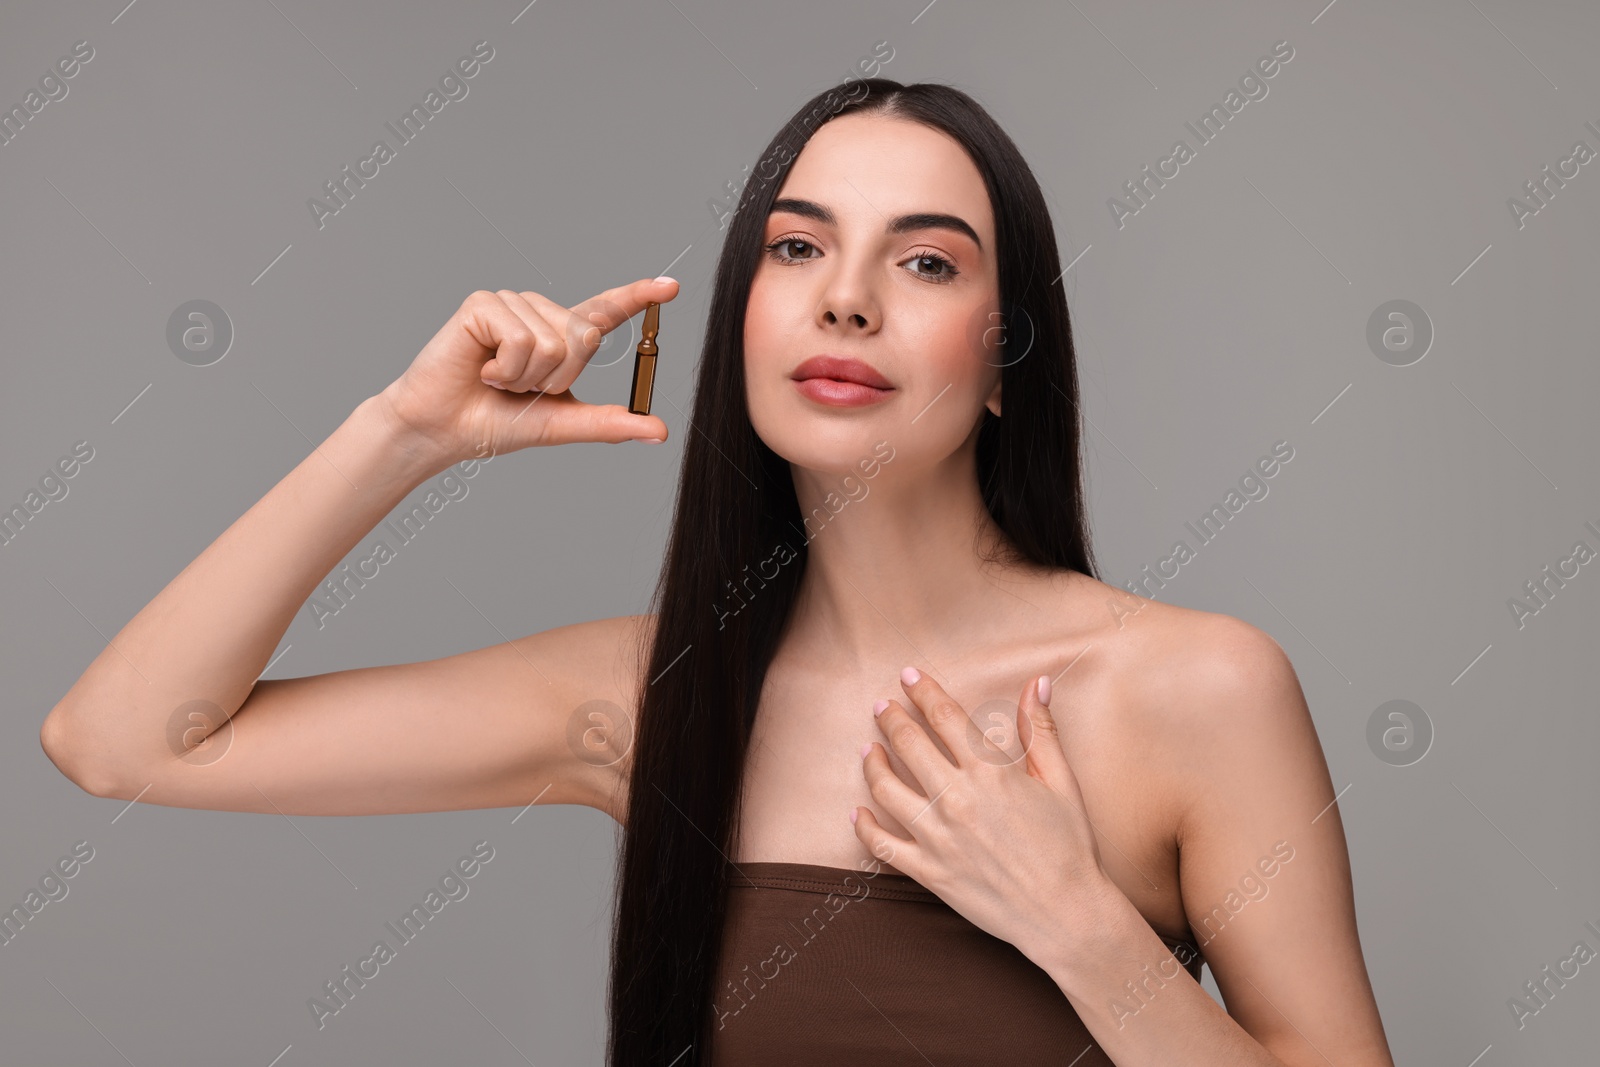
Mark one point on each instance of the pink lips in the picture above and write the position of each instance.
(840, 382)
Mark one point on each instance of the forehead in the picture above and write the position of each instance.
(868, 167)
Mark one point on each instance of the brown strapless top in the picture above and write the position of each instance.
(831, 965)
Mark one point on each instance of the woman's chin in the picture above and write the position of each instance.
(822, 452)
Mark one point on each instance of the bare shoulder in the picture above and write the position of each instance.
(1201, 693)
(1174, 662)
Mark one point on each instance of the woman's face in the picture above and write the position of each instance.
(866, 257)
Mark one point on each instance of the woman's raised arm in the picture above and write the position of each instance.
(486, 728)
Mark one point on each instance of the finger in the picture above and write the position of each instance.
(915, 748)
(610, 423)
(586, 325)
(495, 327)
(950, 721)
(612, 308)
(897, 798)
(582, 340)
(548, 351)
(1042, 741)
(569, 419)
(884, 845)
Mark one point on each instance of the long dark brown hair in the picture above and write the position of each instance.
(706, 662)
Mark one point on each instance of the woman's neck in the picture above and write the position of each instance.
(894, 571)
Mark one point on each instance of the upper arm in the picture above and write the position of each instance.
(495, 727)
(1263, 866)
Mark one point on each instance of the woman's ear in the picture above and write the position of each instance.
(993, 403)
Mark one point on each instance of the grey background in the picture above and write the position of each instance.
(1230, 313)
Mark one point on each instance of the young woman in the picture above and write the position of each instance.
(847, 838)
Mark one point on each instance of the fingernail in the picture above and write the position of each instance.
(852, 816)
(664, 278)
(878, 708)
(1044, 689)
(911, 676)
(649, 440)
(865, 749)
(497, 385)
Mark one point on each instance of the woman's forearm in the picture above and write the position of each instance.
(1139, 1003)
(208, 634)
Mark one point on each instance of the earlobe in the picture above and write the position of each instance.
(993, 403)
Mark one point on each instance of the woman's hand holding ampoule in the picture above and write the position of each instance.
(531, 349)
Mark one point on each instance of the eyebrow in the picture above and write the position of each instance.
(922, 220)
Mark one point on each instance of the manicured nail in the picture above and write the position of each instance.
(664, 278)
(865, 749)
(878, 708)
(911, 676)
(852, 816)
(649, 440)
(1044, 689)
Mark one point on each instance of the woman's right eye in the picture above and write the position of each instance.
(775, 250)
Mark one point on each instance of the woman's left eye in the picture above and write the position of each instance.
(947, 269)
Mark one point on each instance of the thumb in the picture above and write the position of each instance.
(614, 423)
(1041, 740)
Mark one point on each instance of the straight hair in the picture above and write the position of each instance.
(736, 511)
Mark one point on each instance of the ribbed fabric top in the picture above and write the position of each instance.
(839, 967)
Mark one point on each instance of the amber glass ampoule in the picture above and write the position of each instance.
(644, 361)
